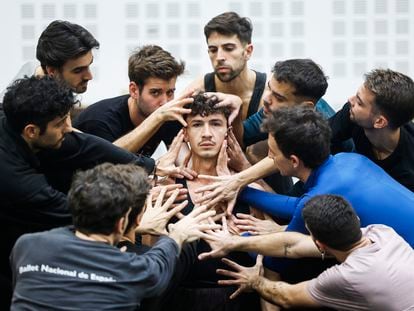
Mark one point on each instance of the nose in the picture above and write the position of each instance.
(206, 131)
(68, 126)
(221, 54)
(88, 74)
(266, 96)
(163, 99)
(351, 100)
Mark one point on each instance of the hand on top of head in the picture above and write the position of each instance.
(174, 109)
(227, 100)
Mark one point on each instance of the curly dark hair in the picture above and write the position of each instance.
(99, 197)
(230, 23)
(300, 131)
(61, 41)
(394, 95)
(36, 101)
(153, 61)
(205, 106)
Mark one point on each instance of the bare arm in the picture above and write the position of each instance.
(284, 294)
(279, 293)
(281, 244)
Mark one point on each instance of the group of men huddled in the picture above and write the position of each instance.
(91, 222)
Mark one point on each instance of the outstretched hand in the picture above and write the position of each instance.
(222, 160)
(166, 164)
(193, 226)
(237, 159)
(244, 277)
(155, 217)
(174, 109)
(256, 226)
(221, 188)
(227, 100)
(219, 242)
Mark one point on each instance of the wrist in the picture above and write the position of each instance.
(257, 283)
(176, 235)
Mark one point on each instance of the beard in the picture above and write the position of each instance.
(229, 76)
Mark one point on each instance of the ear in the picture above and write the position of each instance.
(380, 122)
(121, 225)
(295, 161)
(133, 90)
(31, 131)
(249, 51)
(308, 103)
(321, 246)
(52, 71)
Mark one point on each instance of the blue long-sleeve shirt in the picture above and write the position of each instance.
(376, 197)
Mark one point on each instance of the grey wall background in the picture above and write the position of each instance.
(346, 37)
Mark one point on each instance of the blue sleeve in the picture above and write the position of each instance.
(324, 108)
(251, 127)
(278, 205)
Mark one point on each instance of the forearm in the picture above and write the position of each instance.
(136, 139)
(282, 244)
(275, 292)
(259, 170)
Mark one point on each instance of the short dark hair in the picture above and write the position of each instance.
(394, 95)
(36, 101)
(205, 106)
(300, 131)
(332, 221)
(152, 61)
(305, 75)
(62, 41)
(100, 196)
(230, 23)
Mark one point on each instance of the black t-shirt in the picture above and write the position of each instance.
(109, 119)
(399, 165)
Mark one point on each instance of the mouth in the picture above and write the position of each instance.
(223, 69)
(207, 144)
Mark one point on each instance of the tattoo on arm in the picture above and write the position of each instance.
(287, 249)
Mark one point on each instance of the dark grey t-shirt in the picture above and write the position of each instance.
(55, 270)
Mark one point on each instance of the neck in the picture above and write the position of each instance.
(107, 239)
(304, 174)
(29, 143)
(205, 166)
(341, 256)
(383, 141)
(134, 114)
(243, 82)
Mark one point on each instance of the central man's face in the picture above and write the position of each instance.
(206, 134)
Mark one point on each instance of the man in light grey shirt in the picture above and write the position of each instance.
(376, 263)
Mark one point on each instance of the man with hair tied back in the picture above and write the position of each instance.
(81, 266)
(375, 262)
